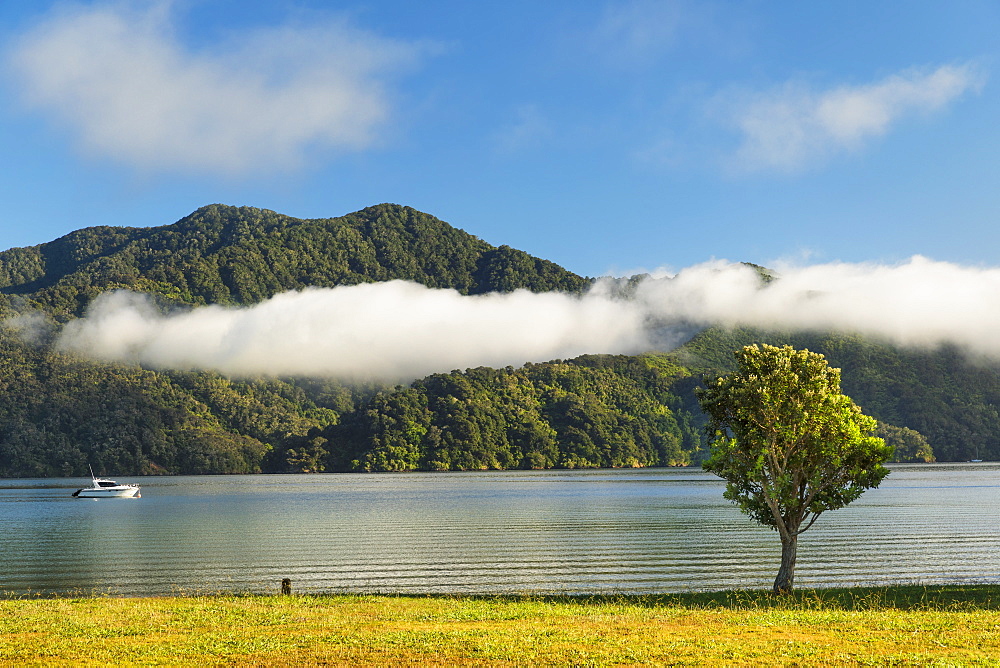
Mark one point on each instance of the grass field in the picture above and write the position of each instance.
(861, 626)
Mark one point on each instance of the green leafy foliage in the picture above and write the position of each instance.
(947, 397)
(594, 411)
(242, 255)
(788, 443)
(58, 413)
(908, 445)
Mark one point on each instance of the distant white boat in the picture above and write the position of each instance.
(104, 488)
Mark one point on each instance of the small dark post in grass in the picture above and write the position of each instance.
(286, 586)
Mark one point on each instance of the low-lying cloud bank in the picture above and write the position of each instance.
(389, 331)
(398, 331)
(917, 303)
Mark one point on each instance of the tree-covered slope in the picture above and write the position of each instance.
(242, 255)
(593, 411)
(949, 398)
(59, 413)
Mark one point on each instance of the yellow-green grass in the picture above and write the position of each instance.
(867, 626)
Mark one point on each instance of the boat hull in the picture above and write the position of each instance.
(121, 492)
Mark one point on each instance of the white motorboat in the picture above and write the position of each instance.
(104, 488)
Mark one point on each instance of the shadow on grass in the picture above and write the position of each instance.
(950, 598)
(899, 597)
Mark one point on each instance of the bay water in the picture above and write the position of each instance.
(592, 531)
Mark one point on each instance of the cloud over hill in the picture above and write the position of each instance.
(399, 331)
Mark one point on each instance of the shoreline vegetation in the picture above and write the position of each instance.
(64, 411)
(884, 625)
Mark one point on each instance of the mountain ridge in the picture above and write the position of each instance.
(230, 255)
(60, 413)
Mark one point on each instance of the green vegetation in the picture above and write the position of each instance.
(884, 626)
(789, 444)
(58, 413)
(61, 413)
(908, 445)
(594, 411)
(948, 398)
(242, 255)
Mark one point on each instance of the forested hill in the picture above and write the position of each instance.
(593, 411)
(242, 255)
(60, 413)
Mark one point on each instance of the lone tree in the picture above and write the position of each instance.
(788, 443)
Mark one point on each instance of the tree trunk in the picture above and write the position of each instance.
(786, 574)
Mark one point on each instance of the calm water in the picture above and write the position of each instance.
(656, 530)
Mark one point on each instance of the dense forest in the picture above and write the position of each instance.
(59, 412)
(950, 399)
(593, 411)
(242, 255)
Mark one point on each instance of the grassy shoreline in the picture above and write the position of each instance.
(902, 625)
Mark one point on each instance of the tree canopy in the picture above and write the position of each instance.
(243, 255)
(788, 443)
(592, 412)
(942, 393)
(57, 411)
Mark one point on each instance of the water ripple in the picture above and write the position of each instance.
(652, 530)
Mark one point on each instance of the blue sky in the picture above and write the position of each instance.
(610, 137)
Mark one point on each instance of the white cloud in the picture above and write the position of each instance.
(124, 84)
(795, 127)
(919, 303)
(398, 331)
(391, 331)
